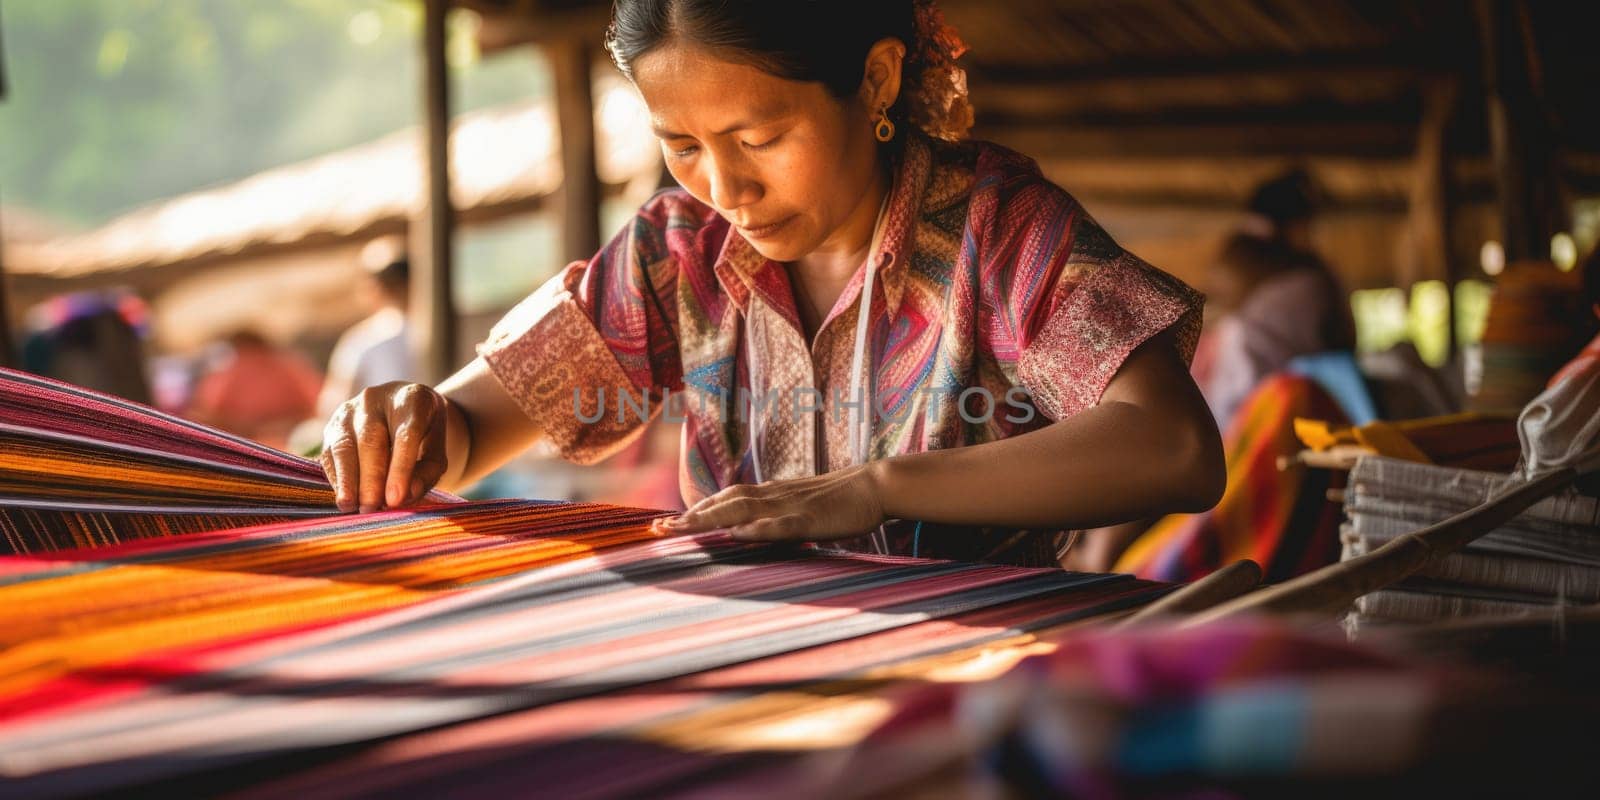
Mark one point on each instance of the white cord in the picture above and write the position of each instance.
(860, 420)
(861, 423)
(755, 386)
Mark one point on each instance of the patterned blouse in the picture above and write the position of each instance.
(998, 307)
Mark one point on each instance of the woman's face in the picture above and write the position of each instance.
(784, 162)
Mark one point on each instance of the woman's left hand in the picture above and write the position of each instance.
(836, 505)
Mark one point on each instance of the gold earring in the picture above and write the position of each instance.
(884, 130)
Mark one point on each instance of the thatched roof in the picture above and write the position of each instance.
(20, 225)
(503, 161)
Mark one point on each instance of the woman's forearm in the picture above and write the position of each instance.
(1109, 464)
(458, 449)
(484, 426)
(1149, 448)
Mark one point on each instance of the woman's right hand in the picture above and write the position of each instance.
(385, 448)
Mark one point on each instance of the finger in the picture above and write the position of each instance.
(737, 511)
(431, 465)
(325, 460)
(330, 470)
(692, 519)
(788, 527)
(410, 420)
(340, 445)
(681, 522)
(733, 492)
(372, 451)
(426, 474)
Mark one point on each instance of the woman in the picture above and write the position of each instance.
(1284, 303)
(1024, 373)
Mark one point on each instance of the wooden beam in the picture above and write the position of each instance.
(502, 29)
(1401, 111)
(1430, 192)
(1222, 201)
(1245, 92)
(1515, 134)
(432, 308)
(1389, 63)
(572, 62)
(1328, 138)
(151, 278)
(1431, 257)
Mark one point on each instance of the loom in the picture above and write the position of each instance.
(182, 609)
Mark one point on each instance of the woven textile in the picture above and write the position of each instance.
(217, 658)
(256, 643)
(83, 469)
(1242, 709)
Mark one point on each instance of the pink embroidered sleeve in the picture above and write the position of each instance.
(1101, 315)
(596, 331)
(1070, 304)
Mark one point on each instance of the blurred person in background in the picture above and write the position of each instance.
(376, 350)
(1285, 301)
(258, 390)
(1244, 262)
(93, 340)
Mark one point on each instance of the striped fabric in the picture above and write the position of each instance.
(83, 469)
(723, 731)
(1281, 519)
(252, 644)
(217, 659)
(1253, 708)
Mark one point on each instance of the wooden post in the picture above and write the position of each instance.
(1515, 136)
(1433, 258)
(432, 309)
(8, 353)
(571, 60)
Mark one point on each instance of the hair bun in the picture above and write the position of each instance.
(939, 104)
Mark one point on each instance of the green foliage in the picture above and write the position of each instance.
(1386, 317)
(114, 103)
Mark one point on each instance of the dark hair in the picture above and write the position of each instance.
(248, 337)
(1253, 259)
(823, 41)
(395, 276)
(1287, 198)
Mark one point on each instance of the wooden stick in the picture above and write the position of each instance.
(1333, 588)
(1340, 459)
(1218, 587)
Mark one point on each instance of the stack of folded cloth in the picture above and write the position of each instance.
(1547, 556)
